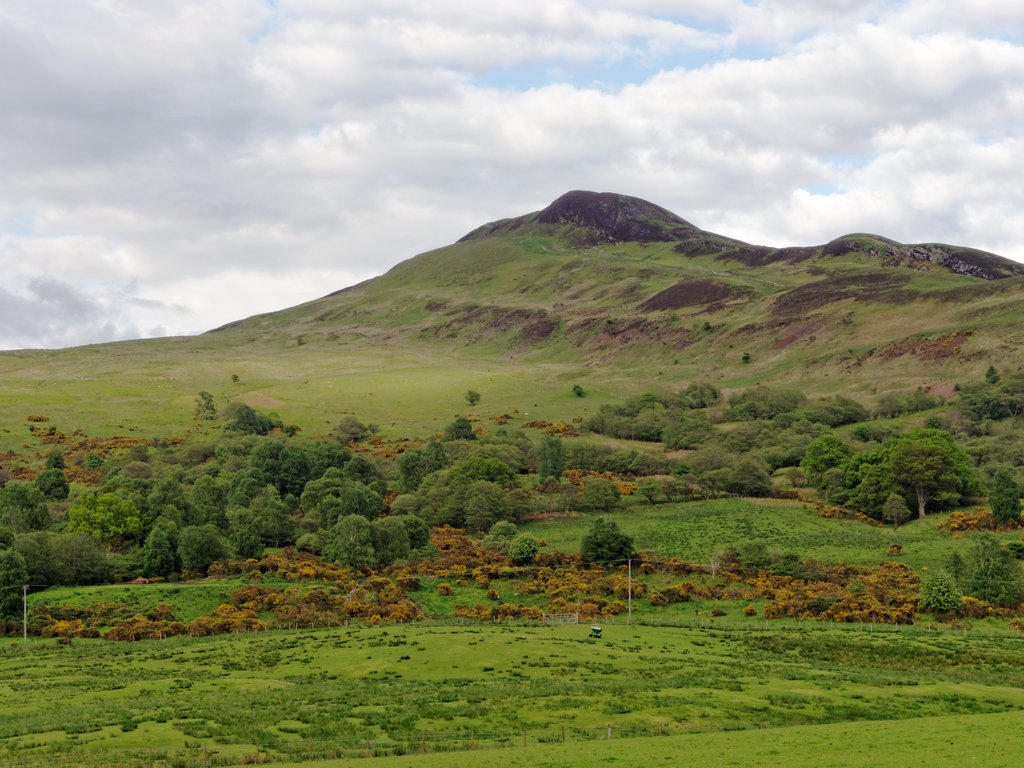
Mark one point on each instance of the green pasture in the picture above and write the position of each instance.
(412, 688)
(695, 530)
(190, 599)
(148, 389)
(949, 741)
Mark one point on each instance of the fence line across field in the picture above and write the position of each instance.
(561, 618)
(302, 750)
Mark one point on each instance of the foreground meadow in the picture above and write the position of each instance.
(421, 694)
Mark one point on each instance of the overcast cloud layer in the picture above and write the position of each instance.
(167, 166)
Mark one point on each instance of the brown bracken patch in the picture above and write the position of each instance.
(927, 349)
(694, 293)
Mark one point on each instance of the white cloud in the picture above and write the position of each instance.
(153, 153)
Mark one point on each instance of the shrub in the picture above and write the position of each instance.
(940, 595)
(523, 548)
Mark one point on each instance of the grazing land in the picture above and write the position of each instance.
(444, 690)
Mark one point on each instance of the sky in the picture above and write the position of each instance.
(168, 166)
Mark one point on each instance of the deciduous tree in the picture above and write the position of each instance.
(600, 493)
(460, 429)
(109, 518)
(605, 543)
(246, 538)
(928, 465)
(209, 499)
(550, 457)
(993, 574)
(53, 484)
(201, 545)
(896, 509)
(205, 407)
(351, 543)
(23, 507)
(160, 551)
(940, 594)
(13, 574)
(824, 453)
(523, 548)
(1004, 497)
(390, 540)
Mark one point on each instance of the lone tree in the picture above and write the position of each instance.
(896, 509)
(940, 594)
(605, 543)
(523, 548)
(472, 397)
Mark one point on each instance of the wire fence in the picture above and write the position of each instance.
(199, 755)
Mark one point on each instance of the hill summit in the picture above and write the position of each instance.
(601, 217)
(608, 282)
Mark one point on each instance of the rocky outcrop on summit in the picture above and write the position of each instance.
(600, 217)
(616, 218)
(962, 261)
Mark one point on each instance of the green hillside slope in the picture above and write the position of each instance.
(603, 290)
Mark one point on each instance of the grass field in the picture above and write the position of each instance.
(406, 689)
(938, 742)
(141, 389)
(694, 530)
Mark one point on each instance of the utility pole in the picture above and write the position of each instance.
(24, 616)
(629, 591)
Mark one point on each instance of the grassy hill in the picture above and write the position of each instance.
(604, 291)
